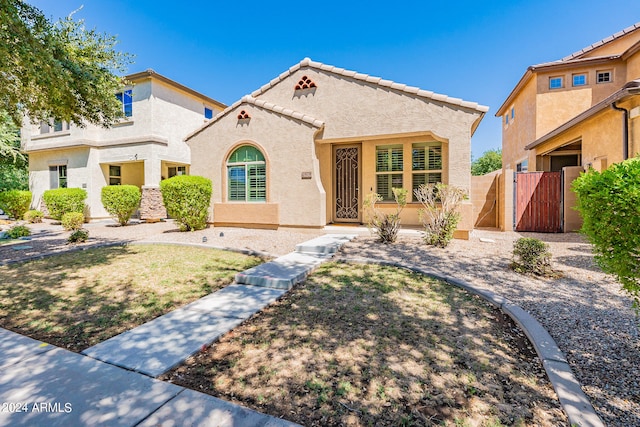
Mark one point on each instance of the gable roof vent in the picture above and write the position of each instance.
(243, 115)
(305, 83)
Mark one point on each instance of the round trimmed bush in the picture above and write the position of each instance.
(72, 221)
(33, 216)
(78, 236)
(121, 201)
(15, 202)
(18, 231)
(64, 200)
(187, 199)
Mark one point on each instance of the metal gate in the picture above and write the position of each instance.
(347, 175)
(538, 202)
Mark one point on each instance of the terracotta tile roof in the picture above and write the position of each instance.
(604, 41)
(415, 91)
(260, 103)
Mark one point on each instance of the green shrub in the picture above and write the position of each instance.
(33, 216)
(609, 203)
(18, 231)
(15, 202)
(121, 201)
(78, 236)
(532, 256)
(64, 200)
(187, 199)
(72, 221)
(439, 214)
(385, 225)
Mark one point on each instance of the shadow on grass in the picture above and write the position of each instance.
(369, 345)
(78, 299)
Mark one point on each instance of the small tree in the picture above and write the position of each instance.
(609, 203)
(385, 225)
(15, 202)
(490, 161)
(187, 199)
(63, 200)
(439, 214)
(121, 201)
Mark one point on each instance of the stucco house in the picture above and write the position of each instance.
(143, 148)
(545, 116)
(304, 149)
(575, 113)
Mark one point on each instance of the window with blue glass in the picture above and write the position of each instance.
(246, 175)
(555, 82)
(208, 113)
(579, 79)
(126, 98)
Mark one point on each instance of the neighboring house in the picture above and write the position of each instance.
(143, 148)
(306, 148)
(579, 112)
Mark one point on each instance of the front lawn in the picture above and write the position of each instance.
(366, 345)
(79, 299)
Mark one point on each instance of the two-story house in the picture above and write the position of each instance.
(580, 111)
(142, 149)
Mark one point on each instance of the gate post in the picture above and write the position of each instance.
(505, 200)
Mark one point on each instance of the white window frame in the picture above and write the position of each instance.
(600, 73)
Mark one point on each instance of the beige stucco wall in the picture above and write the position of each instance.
(505, 200)
(289, 150)
(484, 197)
(616, 46)
(353, 109)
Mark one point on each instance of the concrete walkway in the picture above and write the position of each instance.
(41, 384)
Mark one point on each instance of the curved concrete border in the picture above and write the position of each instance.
(575, 403)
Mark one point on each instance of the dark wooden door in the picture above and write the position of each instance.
(538, 204)
(347, 184)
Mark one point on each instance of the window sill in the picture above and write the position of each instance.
(50, 135)
(124, 122)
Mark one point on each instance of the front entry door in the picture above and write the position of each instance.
(347, 183)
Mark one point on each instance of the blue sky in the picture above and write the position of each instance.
(474, 50)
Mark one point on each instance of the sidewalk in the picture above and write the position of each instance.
(41, 384)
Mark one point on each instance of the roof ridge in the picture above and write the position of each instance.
(260, 103)
(602, 42)
(411, 90)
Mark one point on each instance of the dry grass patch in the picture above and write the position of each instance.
(79, 299)
(368, 345)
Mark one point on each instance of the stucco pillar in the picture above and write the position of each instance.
(152, 172)
(505, 200)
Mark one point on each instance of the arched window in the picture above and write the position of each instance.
(246, 175)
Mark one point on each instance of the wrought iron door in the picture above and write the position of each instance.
(347, 177)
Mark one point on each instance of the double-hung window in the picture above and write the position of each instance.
(115, 175)
(126, 98)
(58, 176)
(555, 83)
(178, 170)
(426, 164)
(388, 170)
(246, 175)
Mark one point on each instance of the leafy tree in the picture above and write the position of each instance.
(57, 70)
(14, 173)
(490, 161)
(609, 203)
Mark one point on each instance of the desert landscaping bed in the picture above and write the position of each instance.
(79, 299)
(370, 345)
